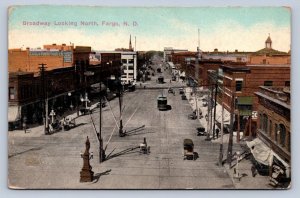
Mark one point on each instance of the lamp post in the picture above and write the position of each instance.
(237, 174)
(71, 105)
(52, 114)
(121, 133)
(86, 173)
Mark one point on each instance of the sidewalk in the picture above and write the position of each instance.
(245, 179)
(38, 131)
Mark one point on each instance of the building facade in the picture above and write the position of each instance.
(274, 117)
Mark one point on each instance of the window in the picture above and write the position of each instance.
(276, 133)
(124, 60)
(268, 83)
(288, 144)
(264, 61)
(260, 121)
(11, 93)
(238, 85)
(270, 128)
(265, 123)
(130, 67)
(130, 60)
(282, 134)
(287, 83)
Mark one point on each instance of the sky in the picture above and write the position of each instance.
(153, 28)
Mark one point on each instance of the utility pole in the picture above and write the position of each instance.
(230, 143)
(101, 151)
(215, 105)
(208, 117)
(121, 133)
(211, 113)
(44, 99)
(221, 142)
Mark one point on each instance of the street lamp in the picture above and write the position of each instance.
(71, 105)
(52, 114)
(86, 100)
(237, 174)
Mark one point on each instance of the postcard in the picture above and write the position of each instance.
(149, 97)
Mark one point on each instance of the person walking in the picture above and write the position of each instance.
(217, 133)
(24, 124)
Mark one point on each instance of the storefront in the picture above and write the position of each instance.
(279, 170)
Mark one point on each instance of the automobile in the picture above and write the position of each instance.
(188, 149)
(192, 116)
(183, 97)
(171, 90)
(173, 78)
(201, 131)
(181, 91)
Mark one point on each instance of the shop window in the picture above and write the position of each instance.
(11, 93)
(268, 83)
(287, 83)
(238, 85)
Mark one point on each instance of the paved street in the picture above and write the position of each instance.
(53, 161)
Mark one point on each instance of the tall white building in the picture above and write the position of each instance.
(129, 67)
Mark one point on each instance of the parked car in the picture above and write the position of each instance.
(171, 90)
(183, 97)
(201, 131)
(181, 91)
(192, 116)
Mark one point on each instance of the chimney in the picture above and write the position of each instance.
(216, 50)
(236, 51)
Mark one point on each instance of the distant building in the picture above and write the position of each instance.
(169, 51)
(268, 55)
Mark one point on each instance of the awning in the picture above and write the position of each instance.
(261, 152)
(13, 113)
(244, 100)
(226, 114)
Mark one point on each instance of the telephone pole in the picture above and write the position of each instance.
(215, 105)
(44, 99)
(101, 151)
(121, 133)
(230, 143)
(221, 142)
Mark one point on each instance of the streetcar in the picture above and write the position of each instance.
(162, 102)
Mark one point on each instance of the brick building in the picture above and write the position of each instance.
(270, 56)
(239, 84)
(55, 56)
(273, 131)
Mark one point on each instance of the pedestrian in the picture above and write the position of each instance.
(253, 170)
(217, 133)
(24, 124)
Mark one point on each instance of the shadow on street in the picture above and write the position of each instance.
(98, 175)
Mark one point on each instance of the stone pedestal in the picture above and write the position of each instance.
(86, 173)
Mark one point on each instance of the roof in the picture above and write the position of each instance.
(269, 51)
